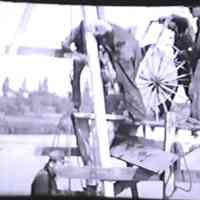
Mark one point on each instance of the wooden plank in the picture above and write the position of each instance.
(110, 117)
(169, 138)
(106, 174)
(27, 51)
(144, 153)
(149, 158)
(27, 121)
(89, 13)
(152, 123)
(13, 121)
(44, 151)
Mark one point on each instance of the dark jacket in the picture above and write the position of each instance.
(44, 183)
(125, 61)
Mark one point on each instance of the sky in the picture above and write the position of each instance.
(48, 25)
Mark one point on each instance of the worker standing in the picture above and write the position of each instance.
(44, 182)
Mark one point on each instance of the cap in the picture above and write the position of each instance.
(57, 155)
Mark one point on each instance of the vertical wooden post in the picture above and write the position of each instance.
(169, 138)
(98, 95)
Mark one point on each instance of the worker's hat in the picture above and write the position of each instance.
(57, 155)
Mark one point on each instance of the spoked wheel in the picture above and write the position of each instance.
(157, 80)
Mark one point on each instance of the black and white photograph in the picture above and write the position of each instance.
(99, 101)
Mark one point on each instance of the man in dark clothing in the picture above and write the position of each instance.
(184, 40)
(119, 55)
(44, 182)
(125, 55)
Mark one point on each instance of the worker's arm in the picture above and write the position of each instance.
(70, 39)
(176, 23)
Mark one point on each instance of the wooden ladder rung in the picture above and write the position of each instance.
(111, 117)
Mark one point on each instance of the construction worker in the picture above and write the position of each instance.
(124, 53)
(44, 182)
(184, 40)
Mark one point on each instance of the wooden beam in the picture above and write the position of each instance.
(45, 151)
(169, 138)
(89, 13)
(152, 123)
(106, 174)
(27, 51)
(51, 52)
(88, 116)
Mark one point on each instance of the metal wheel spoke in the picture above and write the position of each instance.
(158, 80)
(177, 78)
(170, 84)
(174, 70)
(169, 90)
(167, 96)
(175, 55)
(144, 85)
(164, 100)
